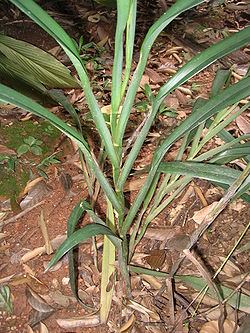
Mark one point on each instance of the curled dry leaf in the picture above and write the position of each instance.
(214, 313)
(61, 299)
(31, 184)
(200, 215)
(29, 329)
(43, 328)
(212, 327)
(243, 124)
(37, 302)
(126, 328)
(56, 242)
(36, 192)
(94, 18)
(36, 285)
(89, 321)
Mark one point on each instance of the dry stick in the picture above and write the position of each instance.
(209, 219)
(16, 217)
(209, 281)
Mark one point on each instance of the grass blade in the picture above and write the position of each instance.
(228, 97)
(77, 237)
(175, 10)
(216, 173)
(74, 218)
(198, 63)
(123, 8)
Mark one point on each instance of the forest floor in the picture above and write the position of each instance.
(47, 297)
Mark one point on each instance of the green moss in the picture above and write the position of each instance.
(12, 136)
(11, 183)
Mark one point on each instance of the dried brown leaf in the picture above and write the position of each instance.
(127, 327)
(94, 18)
(32, 254)
(43, 328)
(43, 226)
(230, 269)
(6, 151)
(29, 329)
(200, 215)
(36, 285)
(35, 194)
(31, 184)
(212, 327)
(156, 258)
(37, 302)
(161, 234)
(243, 124)
(153, 75)
(61, 299)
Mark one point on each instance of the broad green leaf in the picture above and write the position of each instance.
(14, 75)
(23, 149)
(77, 237)
(36, 150)
(217, 173)
(13, 97)
(30, 140)
(37, 63)
(5, 299)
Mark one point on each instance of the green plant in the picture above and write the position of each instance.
(30, 145)
(31, 70)
(149, 201)
(45, 163)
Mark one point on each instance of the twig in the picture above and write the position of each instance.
(202, 269)
(16, 217)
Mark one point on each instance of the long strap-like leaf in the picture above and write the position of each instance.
(229, 96)
(11, 96)
(194, 66)
(179, 7)
(38, 15)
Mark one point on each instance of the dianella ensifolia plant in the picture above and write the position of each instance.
(151, 199)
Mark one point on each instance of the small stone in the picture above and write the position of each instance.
(55, 283)
(65, 281)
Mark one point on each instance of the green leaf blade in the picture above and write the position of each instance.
(77, 237)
